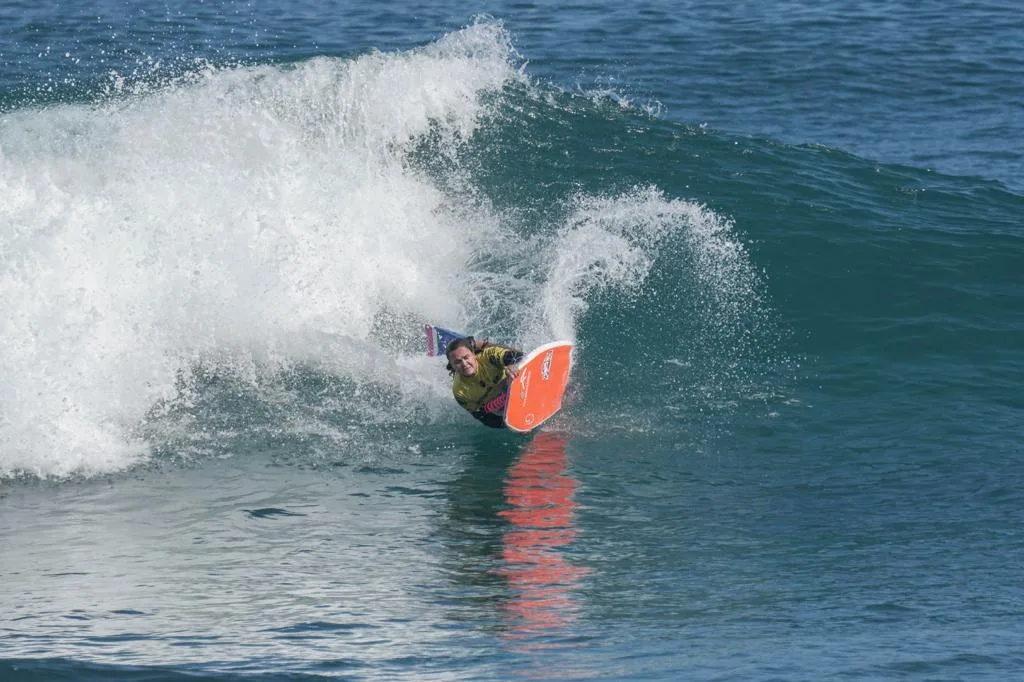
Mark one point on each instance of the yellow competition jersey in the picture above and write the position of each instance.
(486, 385)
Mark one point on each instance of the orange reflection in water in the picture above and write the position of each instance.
(539, 493)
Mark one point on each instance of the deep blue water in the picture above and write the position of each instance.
(785, 238)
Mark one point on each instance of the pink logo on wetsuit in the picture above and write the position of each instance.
(496, 404)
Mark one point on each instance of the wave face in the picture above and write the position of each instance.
(249, 252)
(243, 224)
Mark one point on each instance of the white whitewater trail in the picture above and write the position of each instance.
(255, 218)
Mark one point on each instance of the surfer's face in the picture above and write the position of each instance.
(463, 361)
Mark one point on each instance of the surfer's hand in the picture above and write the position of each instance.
(512, 371)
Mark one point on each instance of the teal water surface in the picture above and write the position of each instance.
(786, 241)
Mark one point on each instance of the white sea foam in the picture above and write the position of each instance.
(259, 212)
(613, 242)
(251, 219)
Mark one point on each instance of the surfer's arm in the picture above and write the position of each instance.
(509, 360)
(479, 345)
(512, 356)
(508, 356)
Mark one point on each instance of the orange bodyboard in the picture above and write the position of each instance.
(536, 393)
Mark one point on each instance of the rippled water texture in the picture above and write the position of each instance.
(785, 239)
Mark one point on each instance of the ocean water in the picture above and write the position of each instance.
(786, 238)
